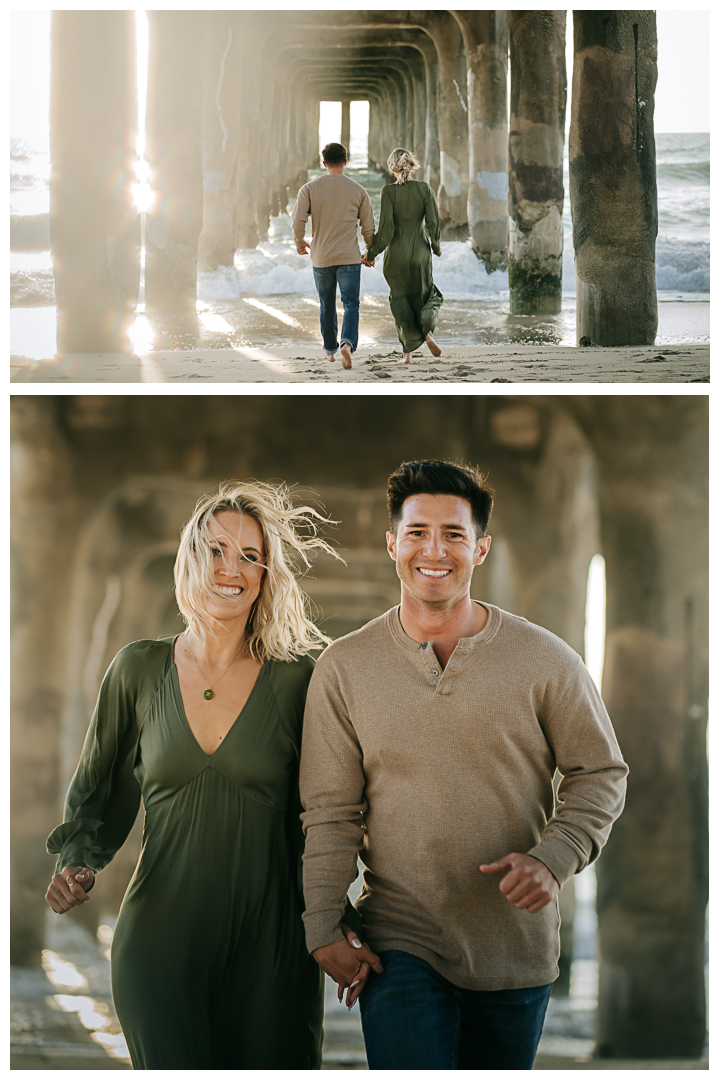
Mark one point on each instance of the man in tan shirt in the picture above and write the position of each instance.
(430, 743)
(336, 204)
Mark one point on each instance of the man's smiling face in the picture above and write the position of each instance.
(436, 548)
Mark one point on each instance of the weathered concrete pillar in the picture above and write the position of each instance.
(652, 876)
(174, 154)
(613, 188)
(539, 457)
(452, 123)
(538, 91)
(94, 223)
(485, 34)
(345, 126)
(431, 174)
(221, 137)
(41, 529)
(249, 138)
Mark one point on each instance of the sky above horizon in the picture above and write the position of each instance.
(682, 98)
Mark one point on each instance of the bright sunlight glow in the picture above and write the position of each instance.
(595, 619)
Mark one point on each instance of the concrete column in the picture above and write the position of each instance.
(174, 153)
(431, 174)
(42, 526)
(452, 123)
(94, 223)
(345, 126)
(538, 91)
(248, 225)
(485, 34)
(221, 137)
(612, 176)
(652, 876)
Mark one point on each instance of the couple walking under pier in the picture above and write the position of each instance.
(408, 233)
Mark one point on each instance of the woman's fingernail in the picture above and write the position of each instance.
(353, 985)
(354, 941)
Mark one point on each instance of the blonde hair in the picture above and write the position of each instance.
(279, 626)
(404, 163)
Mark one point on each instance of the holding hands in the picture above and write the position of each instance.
(528, 884)
(348, 963)
(364, 260)
(67, 889)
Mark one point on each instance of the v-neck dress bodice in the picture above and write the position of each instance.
(209, 964)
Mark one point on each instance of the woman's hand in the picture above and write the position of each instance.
(348, 963)
(364, 260)
(67, 889)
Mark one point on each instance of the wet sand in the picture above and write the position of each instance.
(459, 363)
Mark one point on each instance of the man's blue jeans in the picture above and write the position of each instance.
(327, 279)
(413, 1018)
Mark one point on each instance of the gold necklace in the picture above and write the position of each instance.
(209, 693)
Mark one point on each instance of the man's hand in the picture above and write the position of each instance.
(67, 889)
(303, 248)
(348, 963)
(364, 260)
(528, 884)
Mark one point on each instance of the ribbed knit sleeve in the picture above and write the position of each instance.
(591, 794)
(332, 792)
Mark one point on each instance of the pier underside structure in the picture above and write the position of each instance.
(231, 131)
(102, 486)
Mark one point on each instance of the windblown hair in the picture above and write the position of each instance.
(440, 478)
(279, 626)
(403, 162)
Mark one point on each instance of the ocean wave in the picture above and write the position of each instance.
(32, 289)
(682, 267)
(275, 268)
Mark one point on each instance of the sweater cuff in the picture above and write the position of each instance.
(321, 929)
(561, 860)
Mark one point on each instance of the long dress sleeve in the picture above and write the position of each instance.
(432, 219)
(386, 228)
(104, 797)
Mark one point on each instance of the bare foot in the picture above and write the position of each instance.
(331, 357)
(433, 345)
(346, 353)
(407, 357)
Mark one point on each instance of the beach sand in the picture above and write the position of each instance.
(459, 363)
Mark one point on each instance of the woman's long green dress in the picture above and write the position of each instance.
(409, 231)
(209, 964)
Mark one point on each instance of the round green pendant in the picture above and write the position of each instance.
(208, 695)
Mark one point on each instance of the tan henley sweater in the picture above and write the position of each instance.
(336, 204)
(429, 773)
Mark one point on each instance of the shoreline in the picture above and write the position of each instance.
(679, 363)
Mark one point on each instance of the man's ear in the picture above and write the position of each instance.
(483, 546)
(390, 541)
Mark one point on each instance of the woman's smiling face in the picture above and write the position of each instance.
(238, 563)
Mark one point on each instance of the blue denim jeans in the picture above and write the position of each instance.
(413, 1018)
(327, 280)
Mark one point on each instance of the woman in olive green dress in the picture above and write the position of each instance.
(409, 234)
(209, 964)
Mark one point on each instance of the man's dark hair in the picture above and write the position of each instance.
(334, 154)
(440, 478)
